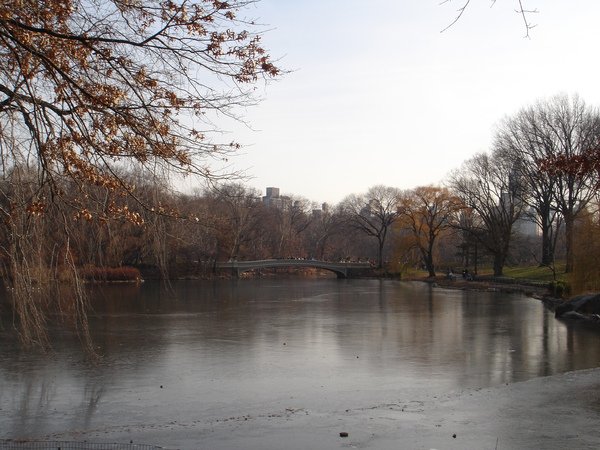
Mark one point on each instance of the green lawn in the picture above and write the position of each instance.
(534, 272)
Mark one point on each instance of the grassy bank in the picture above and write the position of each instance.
(534, 280)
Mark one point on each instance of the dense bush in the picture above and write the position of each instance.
(559, 288)
(111, 274)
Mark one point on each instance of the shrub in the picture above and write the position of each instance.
(559, 288)
(125, 273)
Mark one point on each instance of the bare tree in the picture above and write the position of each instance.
(326, 223)
(521, 139)
(242, 211)
(490, 189)
(373, 214)
(289, 220)
(570, 132)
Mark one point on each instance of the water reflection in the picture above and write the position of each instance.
(218, 348)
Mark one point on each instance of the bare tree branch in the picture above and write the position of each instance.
(460, 12)
(521, 10)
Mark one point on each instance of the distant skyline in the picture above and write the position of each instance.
(377, 94)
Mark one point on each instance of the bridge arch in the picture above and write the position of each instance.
(341, 269)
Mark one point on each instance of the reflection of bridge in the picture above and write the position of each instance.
(341, 269)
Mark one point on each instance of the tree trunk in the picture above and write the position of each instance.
(569, 228)
(499, 264)
(380, 254)
(547, 248)
(547, 241)
(428, 261)
(430, 269)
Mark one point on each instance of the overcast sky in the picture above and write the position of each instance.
(377, 94)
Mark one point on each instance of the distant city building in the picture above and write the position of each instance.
(272, 192)
(318, 213)
(274, 200)
(526, 225)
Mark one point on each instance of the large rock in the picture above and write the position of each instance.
(586, 304)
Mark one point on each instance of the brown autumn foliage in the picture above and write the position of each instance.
(428, 212)
(576, 166)
(111, 274)
(88, 85)
(586, 271)
(90, 88)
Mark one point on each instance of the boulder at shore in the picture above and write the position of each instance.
(579, 307)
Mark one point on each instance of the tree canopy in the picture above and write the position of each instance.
(428, 211)
(88, 84)
(373, 213)
(92, 91)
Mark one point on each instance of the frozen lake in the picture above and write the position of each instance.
(177, 368)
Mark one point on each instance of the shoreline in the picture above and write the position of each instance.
(559, 306)
(550, 412)
(486, 285)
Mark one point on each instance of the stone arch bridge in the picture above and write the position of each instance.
(341, 269)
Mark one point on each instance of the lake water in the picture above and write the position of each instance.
(212, 352)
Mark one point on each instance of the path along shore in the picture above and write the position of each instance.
(551, 413)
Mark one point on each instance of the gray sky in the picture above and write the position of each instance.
(378, 95)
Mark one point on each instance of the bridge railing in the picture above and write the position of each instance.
(342, 269)
(293, 262)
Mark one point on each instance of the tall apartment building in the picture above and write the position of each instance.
(275, 200)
